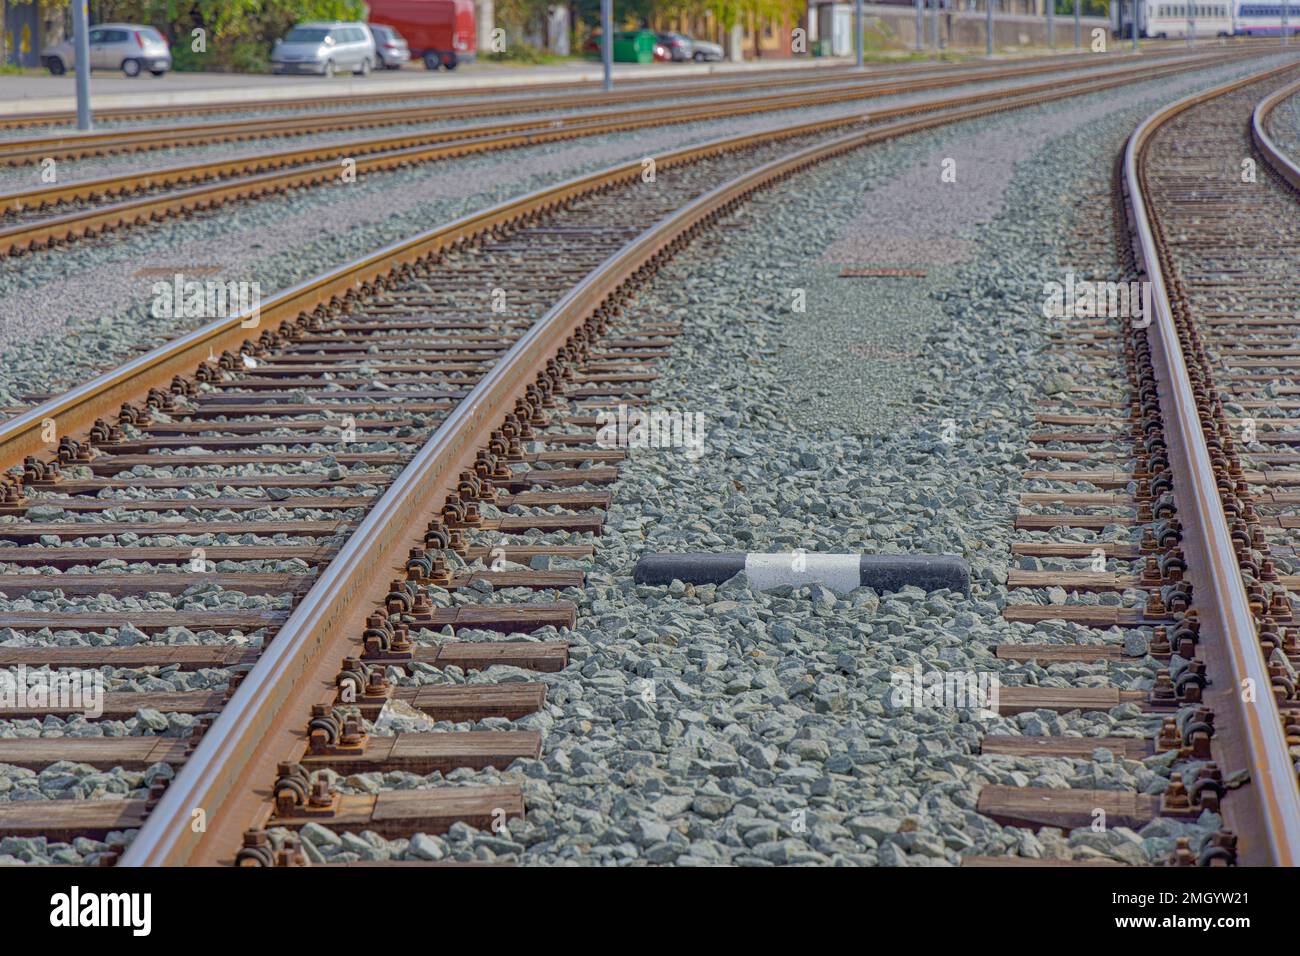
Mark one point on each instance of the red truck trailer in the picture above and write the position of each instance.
(439, 32)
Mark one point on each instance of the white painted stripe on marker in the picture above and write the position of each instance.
(839, 572)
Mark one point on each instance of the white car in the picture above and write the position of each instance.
(128, 47)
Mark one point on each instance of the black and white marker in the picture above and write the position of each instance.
(839, 572)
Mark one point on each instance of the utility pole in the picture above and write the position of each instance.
(1078, 27)
(988, 26)
(81, 46)
(1051, 24)
(607, 41)
(934, 25)
(857, 30)
(920, 27)
(1135, 26)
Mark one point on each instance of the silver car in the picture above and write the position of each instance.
(390, 47)
(114, 46)
(324, 49)
(703, 50)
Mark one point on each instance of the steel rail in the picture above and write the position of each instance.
(651, 115)
(751, 79)
(754, 77)
(115, 184)
(24, 236)
(432, 96)
(75, 411)
(1220, 592)
(1282, 164)
(229, 774)
(79, 145)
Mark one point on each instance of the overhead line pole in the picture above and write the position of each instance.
(81, 44)
(857, 30)
(607, 41)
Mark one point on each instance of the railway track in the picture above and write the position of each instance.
(1176, 475)
(431, 96)
(364, 473)
(39, 217)
(753, 79)
(78, 145)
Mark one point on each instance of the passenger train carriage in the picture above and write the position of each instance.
(1170, 19)
(1265, 19)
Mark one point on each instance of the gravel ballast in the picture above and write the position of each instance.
(74, 312)
(15, 178)
(715, 725)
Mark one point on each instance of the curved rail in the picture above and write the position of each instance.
(79, 145)
(76, 410)
(431, 95)
(591, 88)
(228, 773)
(434, 145)
(1283, 164)
(100, 142)
(652, 115)
(1221, 595)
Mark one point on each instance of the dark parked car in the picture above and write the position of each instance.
(679, 47)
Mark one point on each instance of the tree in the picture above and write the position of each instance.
(520, 17)
(730, 13)
(777, 12)
(239, 32)
(634, 12)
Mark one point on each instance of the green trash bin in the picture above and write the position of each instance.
(634, 46)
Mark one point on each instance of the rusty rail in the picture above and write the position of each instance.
(1283, 164)
(78, 145)
(433, 95)
(1221, 595)
(75, 411)
(472, 138)
(424, 147)
(229, 773)
(588, 88)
